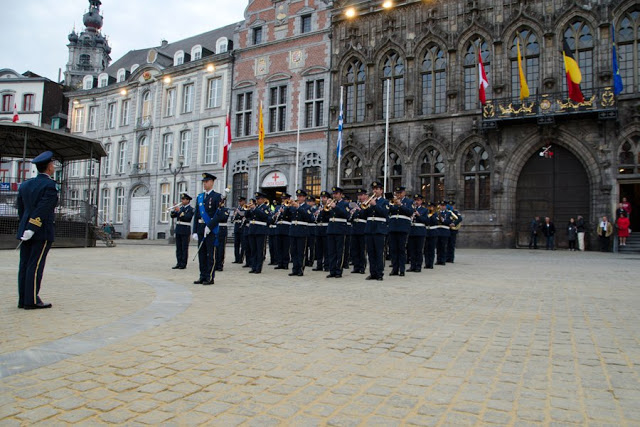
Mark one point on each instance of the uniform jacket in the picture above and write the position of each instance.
(260, 220)
(322, 222)
(359, 222)
(211, 202)
(300, 216)
(37, 199)
(419, 224)
(443, 221)
(222, 216)
(283, 220)
(432, 223)
(381, 212)
(184, 215)
(400, 216)
(338, 217)
(238, 220)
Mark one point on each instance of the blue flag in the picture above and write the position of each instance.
(339, 150)
(617, 78)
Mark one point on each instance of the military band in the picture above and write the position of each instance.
(344, 232)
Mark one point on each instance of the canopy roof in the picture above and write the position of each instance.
(65, 147)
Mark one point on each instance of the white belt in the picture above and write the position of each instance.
(284, 222)
(273, 226)
(299, 223)
(400, 217)
(222, 224)
(446, 227)
(183, 223)
(418, 224)
(323, 224)
(360, 220)
(337, 220)
(237, 221)
(201, 221)
(377, 218)
(258, 222)
(311, 224)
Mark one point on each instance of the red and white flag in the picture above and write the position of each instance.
(482, 79)
(227, 140)
(15, 113)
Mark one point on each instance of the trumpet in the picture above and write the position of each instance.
(330, 205)
(453, 215)
(173, 207)
(365, 204)
(248, 207)
(287, 202)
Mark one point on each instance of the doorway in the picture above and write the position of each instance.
(557, 187)
(274, 194)
(632, 193)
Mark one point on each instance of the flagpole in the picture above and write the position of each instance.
(386, 138)
(295, 187)
(259, 148)
(340, 119)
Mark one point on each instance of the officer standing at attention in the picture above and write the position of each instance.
(183, 215)
(222, 216)
(432, 237)
(358, 221)
(300, 214)
(259, 229)
(417, 235)
(246, 233)
(456, 223)
(205, 228)
(37, 199)
(337, 229)
(282, 222)
(442, 233)
(238, 222)
(311, 233)
(400, 212)
(377, 213)
(322, 222)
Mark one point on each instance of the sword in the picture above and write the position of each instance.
(19, 244)
(199, 246)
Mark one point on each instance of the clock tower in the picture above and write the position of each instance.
(88, 51)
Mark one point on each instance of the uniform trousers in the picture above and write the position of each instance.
(238, 250)
(298, 248)
(430, 251)
(310, 256)
(321, 244)
(451, 246)
(207, 257)
(246, 245)
(33, 256)
(335, 253)
(441, 245)
(358, 256)
(416, 248)
(283, 247)
(375, 252)
(221, 251)
(182, 249)
(258, 248)
(398, 251)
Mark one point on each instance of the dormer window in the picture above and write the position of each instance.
(134, 67)
(103, 80)
(87, 82)
(196, 52)
(221, 45)
(178, 58)
(122, 74)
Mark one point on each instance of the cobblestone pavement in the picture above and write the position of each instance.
(505, 337)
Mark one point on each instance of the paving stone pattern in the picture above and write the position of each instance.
(502, 337)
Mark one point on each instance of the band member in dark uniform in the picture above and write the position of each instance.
(37, 199)
(377, 213)
(282, 222)
(322, 222)
(400, 213)
(358, 221)
(259, 229)
(456, 223)
(300, 214)
(246, 234)
(346, 253)
(338, 210)
(205, 228)
(310, 256)
(238, 222)
(272, 240)
(432, 237)
(222, 217)
(442, 233)
(183, 215)
(417, 235)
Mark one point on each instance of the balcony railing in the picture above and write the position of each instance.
(143, 122)
(139, 168)
(545, 108)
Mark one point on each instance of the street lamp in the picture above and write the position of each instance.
(175, 173)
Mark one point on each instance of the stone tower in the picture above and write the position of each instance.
(88, 51)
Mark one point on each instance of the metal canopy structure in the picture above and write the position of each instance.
(22, 140)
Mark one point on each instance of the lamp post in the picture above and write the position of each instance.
(175, 172)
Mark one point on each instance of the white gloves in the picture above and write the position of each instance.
(27, 235)
(194, 236)
(207, 230)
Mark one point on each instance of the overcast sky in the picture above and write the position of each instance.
(34, 33)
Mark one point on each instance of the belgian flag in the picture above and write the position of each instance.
(574, 76)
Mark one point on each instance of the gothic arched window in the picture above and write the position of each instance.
(311, 173)
(476, 172)
(470, 70)
(393, 74)
(580, 40)
(530, 54)
(354, 86)
(629, 156)
(394, 171)
(628, 45)
(434, 81)
(432, 175)
(352, 170)
(240, 179)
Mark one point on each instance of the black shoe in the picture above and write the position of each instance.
(430, 268)
(316, 269)
(175, 267)
(182, 267)
(416, 270)
(338, 276)
(393, 273)
(258, 271)
(37, 306)
(300, 274)
(277, 267)
(401, 274)
(20, 305)
(208, 282)
(441, 263)
(330, 276)
(370, 278)
(252, 272)
(198, 282)
(246, 266)
(293, 274)
(379, 278)
(361, 272)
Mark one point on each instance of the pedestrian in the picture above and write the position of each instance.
(626, 206)
(549, 231)
(581, 231)
(37, 199)
(183, 213)
(620, 210)
(534, 228)
(572, 234)
(605, 230)
(623, 228)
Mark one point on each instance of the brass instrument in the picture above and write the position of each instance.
(365, 204)
(287, 203)
(173, 207)
(330, 205)
(248, 207)
(453, 215)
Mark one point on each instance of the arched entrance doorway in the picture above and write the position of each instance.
(140, 208)
(557, 187)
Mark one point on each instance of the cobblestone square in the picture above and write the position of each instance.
(503, 337)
